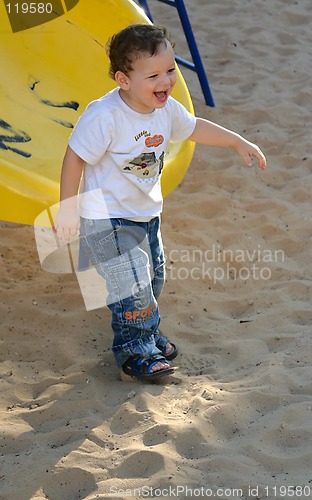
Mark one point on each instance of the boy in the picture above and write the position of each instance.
(119, 145)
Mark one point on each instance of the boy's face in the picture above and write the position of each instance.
(150, 82)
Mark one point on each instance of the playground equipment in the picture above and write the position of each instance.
(197, 64)
(49, 73)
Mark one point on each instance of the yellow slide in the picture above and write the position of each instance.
(49, 73)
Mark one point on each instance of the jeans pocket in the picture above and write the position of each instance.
(99, 239)
(129, 280)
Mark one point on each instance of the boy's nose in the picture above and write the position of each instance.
(165, 81)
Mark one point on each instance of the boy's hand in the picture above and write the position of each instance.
(66, 223)
(248, 150)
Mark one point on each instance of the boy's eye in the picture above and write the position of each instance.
(170, 71)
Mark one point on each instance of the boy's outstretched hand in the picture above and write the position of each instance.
(248, 151)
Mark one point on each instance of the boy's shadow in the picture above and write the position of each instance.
(73, 423)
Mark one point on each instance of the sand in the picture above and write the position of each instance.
(234, 421)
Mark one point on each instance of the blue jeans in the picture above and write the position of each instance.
(130, 256)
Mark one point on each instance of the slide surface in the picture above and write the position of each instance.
(49, 73)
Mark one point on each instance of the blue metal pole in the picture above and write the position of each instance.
(146, 9)
(194, 52)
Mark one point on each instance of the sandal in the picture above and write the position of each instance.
(162, 346)
(140, 367)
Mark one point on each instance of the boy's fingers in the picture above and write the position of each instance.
(60, 233)
(247, 157)
(249, 160)
(73, 231)
(65, 233)
(261, 158)
(57, 231)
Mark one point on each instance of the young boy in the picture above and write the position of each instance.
(118, 145)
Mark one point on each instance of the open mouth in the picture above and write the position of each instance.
(161, 96)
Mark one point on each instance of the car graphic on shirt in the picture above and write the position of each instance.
(145, 166)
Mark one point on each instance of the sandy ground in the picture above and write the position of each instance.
(234, 421)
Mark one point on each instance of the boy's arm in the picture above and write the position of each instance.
(67, 220)
(211, 134)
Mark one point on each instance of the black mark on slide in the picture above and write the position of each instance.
(16, 137)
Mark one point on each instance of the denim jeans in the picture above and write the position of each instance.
(130, 256)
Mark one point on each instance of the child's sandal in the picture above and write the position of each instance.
(140, 367)
(162, 346)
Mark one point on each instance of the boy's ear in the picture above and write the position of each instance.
(122, 80)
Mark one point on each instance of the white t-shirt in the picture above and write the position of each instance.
(124, 153)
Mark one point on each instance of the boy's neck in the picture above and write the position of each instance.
(124, 97)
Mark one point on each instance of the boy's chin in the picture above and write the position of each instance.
(161, 104)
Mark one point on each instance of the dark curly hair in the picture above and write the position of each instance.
(130, 43)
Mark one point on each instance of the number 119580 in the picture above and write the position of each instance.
(29, 8)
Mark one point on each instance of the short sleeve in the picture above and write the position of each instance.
(183, 122)
(91, 135)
